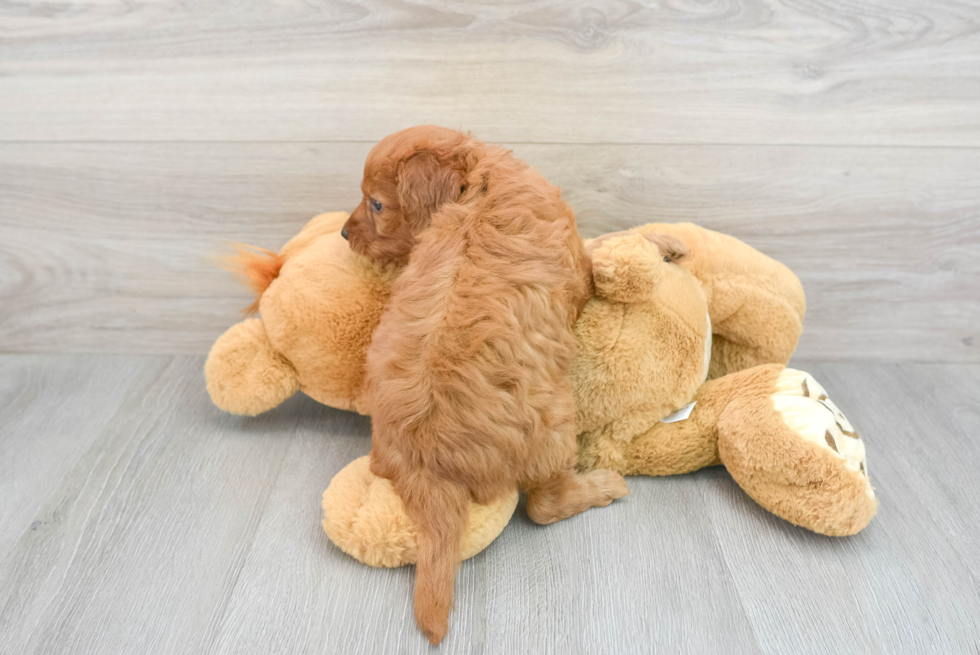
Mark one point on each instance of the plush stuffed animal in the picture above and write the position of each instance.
(320, 304)
(680, 366)
(645, 406)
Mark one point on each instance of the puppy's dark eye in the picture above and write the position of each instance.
(376, 206)
(666, 259)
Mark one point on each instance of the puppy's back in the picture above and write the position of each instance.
(467, 371)
(481, 322)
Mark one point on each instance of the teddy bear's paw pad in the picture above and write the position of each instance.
(806, 409)
(364, 516)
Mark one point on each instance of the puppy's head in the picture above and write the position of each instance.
(408, 176)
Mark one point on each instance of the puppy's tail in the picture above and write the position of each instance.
(255, 267)
(441, 511)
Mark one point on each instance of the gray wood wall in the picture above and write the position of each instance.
(136, 138)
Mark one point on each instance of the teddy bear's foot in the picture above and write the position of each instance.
(797, 455)
(806, 408)
(245, 375)
(364, 516)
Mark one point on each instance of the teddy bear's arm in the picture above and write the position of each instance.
(364, 516)
(626, 267)
(244, 374)
(752, 325)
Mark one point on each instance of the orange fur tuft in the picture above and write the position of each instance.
(255, 267)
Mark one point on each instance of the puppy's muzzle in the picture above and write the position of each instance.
(343, 233)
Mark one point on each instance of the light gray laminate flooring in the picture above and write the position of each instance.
(137, 518)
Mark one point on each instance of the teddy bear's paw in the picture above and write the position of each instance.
(626, 267)
(806, 408)
(244, 374)
(364, 516)
(795, 453)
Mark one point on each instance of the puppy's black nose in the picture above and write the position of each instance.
(343, 233)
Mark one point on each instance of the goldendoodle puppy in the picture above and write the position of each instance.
(467, 372)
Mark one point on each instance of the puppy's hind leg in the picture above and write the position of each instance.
(555, 490)
(570, 493)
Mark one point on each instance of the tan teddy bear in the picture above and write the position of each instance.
(663, 321)
(642, 356)
(320, 304)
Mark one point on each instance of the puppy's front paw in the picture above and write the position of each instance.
(608, 486)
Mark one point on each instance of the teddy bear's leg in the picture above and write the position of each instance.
(364, 516)
(793, 451)
(674, 448)
(763, 328)
(682, 442)
(244, 374)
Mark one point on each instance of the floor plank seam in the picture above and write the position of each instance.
(220, 622)
(598, 144)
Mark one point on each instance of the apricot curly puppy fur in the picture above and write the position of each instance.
(467, 372)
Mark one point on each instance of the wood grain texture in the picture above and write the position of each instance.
(133, 546)
(172, 528)
(897, 72)
(42, 405)
(105, 246)
(920, 425)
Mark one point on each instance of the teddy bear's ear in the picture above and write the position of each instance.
(670, 246)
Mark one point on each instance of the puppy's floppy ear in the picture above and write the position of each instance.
(424, 184)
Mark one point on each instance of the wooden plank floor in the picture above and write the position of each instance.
(137, 518)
